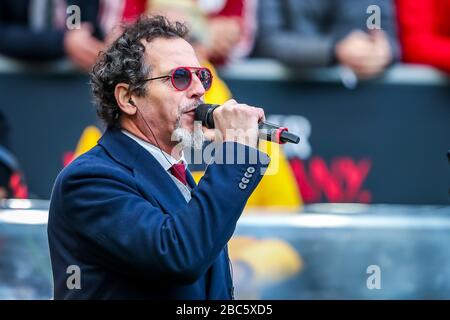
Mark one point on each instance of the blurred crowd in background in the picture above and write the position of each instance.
(364, 37)
(298, 33)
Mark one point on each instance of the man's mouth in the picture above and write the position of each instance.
(190, 110)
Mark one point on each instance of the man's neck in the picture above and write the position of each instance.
(134, 130)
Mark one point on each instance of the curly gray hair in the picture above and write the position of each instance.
(124, 62)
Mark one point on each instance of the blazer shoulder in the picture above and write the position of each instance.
(94, 164)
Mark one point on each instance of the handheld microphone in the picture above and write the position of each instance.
(267, 131)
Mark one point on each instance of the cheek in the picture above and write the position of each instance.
(187, 121)
(167, 104)
(173, 112)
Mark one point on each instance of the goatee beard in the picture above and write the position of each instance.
(188, 139)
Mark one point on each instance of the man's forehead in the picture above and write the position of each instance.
(166, 54)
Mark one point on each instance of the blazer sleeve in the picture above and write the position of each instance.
(104, 207)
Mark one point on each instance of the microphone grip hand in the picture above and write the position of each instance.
(238, 122)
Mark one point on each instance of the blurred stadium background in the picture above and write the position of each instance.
(368, 185)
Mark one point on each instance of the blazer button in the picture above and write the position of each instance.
(245, 180)
(242, 185)
(250, 169)
(247, 175)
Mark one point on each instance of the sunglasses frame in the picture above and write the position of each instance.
(171, 76)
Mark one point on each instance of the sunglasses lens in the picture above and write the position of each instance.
(181, 78)
(205, 77)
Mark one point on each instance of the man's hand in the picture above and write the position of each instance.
(238, 122)
(81, 47)
(367, 54)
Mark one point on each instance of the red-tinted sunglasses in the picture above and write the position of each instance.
(181, 77)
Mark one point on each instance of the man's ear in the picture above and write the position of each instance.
(124, 99)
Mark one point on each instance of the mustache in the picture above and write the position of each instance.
(191, 106)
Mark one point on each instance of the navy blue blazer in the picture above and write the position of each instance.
(119, 217)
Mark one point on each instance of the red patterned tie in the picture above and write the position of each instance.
(178, 170)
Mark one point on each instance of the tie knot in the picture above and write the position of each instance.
(178, 170)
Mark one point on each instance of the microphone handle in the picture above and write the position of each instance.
(267, 131)
(275, 133)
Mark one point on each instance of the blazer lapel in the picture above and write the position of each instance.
(190, 179)
(150, 176)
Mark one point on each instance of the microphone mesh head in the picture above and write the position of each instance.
(203, 113)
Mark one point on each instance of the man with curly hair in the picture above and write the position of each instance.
(127, 220)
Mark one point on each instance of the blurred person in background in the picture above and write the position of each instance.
(213, 38)
(222, 30)
(232, 27)
(424, 31)
(36, 31)
(319, 33)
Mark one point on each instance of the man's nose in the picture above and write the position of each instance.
(196, 88)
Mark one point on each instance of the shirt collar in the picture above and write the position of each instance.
(165, 159)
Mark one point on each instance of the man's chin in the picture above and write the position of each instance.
(186, 122)
(189, 136)
(189, 127)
